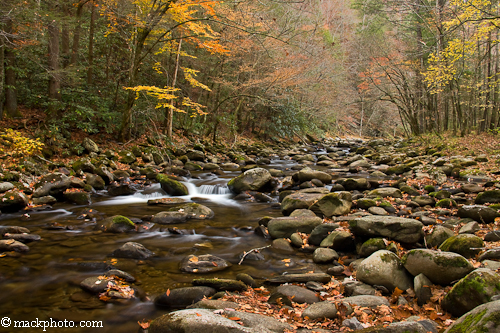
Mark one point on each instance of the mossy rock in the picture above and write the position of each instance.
(371, 246)
(77, 197)
(194, 211)
(438, 236)
(473, 290)
(446, 203)
(492, 196)
(465, 244)
(429, 188)
(116, 224)
(126, 157)
(171, 186)
(365, 203)
(483, 319)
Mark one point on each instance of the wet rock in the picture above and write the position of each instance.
(301, 278)
(397, 228)
(213, 304)
(298, 294)
(282, 245)
(95, 181)
(116, 224)
(383, 268)
(386, 192)
(221, 284)
(246, 279)
(296, 240)
(116, 189)
(77, 197)
(465, 244)
(332, 204)
(23, 238)
(338, 240)
(475, 289)
(482, 214)
(132, 250)
(194, 211)
(308, 174)
(13, 245)
(120, 274)
(182, 297)
(46, 200)
(251, 180)
(12, 229)
(440, 267)
(203, 264)
(166, 201)
(12, 201)
(483, 318)
(95, 284)
(169, 217)
(172, 186)
(492, 236)
(320, 310)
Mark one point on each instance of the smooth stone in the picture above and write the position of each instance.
(183, 297)
(298, 294)
(300, 278)
(397, 228)
(132, 250)
(320, 310)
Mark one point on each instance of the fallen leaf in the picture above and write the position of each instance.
(234, 318)
(193, 259)
(199, 315)
(144, 325)
(167, 292)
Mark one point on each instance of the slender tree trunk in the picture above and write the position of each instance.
(54, 70)
(65, 47)
(2, 72)
(77, 33)
(91, 45)
(169, 113)
(10, 75)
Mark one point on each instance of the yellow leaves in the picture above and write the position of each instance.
(16, 144)
(189, 75)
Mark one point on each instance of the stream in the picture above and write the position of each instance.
(45, 282)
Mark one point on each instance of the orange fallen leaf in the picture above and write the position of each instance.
(167, 292)
(144, 325)
(234, 318)
(193, 259)
(199, 315)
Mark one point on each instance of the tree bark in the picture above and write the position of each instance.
(91, 45)
(169, 113)
(77, 33)
(10, 75)
(54, 70)
(2, 72)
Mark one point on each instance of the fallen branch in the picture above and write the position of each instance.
(245, 253)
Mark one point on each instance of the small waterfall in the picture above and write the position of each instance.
(214, 189)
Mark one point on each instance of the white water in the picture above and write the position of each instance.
(217, 193)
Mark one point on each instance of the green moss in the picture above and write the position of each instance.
(429, 188)
(451, 262)
(385, 204)
(468, 323)
(120, 219)
(446, 203)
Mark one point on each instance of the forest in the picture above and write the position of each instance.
(273, 69)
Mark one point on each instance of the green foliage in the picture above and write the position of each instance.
(15, 144)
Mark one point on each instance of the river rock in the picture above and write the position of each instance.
(298, 294)
(338, 240)
(204, 263)
(482, 214)
(169, 217)
(166, 201)
(116, 224)
(301, 278)
(126, 157)
(490, 254)
(282, 245)
(124, 188)
(440, 267)
(397, 228)
(324, 255)
(196, 155)
(120, 274)
(221, 284)
(77, 197)
(90, 146)
(202, 320)
(23, 238)
(308, 174)
(386, 192)
(298, 200)
(105, 174)
(492, 196)
(475, 289)
(132, 250)
(371, 246)
(472, 188)
(422, 286)
(356, 288)
(368, 301)
(284, 227)
(359, 184)
(194, 211)
(320, 310)
(332, 204)
(482, 319)
(12, 201)
(13, 245)
(5, 186)
(320, 232)
(171, 186)
(182, 297)
(95, 284)
(383, 268)
(214, 304)
(438, 235)
(52, 184)
(251, 180)
(464, 244)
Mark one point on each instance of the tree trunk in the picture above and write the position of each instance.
(169, 113)
(10, 75)
(65, 49)
(54, 70)
(77, 33)
(2, 72)
(91, 45)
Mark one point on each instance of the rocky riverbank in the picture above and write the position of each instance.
(401, 238)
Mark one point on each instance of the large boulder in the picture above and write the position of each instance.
(251, 180)
(482, 319)
(52, 184)
(206, 321)
(475, 289)
(383, 268)
(440, 267)
(332, 204)
(171, 186)
(284, 227)
(397, 228)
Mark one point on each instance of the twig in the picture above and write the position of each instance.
(40, 157)
(245, 253)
